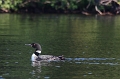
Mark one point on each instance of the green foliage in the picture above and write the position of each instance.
(56, 4)
(10, 4)
(72, 5)
(59, 4)
(44, 5)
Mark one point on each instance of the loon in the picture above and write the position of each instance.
(37, 57)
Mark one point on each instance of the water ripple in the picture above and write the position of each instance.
(102, 61)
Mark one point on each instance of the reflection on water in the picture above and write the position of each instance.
(41, 63)
(105, 61)
(35, 71)
(89, 43)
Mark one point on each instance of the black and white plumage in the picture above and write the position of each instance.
(37, 57)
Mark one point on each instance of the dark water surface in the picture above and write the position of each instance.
(91, 45)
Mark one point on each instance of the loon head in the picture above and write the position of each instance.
(37, 52)
(35, 45)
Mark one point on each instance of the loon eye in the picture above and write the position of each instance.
(34, 44)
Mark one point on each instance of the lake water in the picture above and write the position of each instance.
(91, 45)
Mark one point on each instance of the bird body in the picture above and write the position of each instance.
(37, 57)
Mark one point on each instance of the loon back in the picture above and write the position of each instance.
(50, 58)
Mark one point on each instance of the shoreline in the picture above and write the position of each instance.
(66, 12)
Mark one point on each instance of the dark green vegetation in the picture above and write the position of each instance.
(59, 6)
(42, 5)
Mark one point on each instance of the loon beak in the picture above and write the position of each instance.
(28, 44)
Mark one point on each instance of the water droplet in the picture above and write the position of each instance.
(84, 75)
(57, 66)
(5, 74)
(1, 77)
(7, 62)
(83, 52)
(46, 77)
(16, 62)
(89, 73)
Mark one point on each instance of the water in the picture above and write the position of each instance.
(91, 45)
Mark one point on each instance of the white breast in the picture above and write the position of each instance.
(33, 57)
(38, 51)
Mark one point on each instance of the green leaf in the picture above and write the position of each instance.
(0, 2)
(52, 4)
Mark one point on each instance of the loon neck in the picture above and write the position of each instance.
(37, 52)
